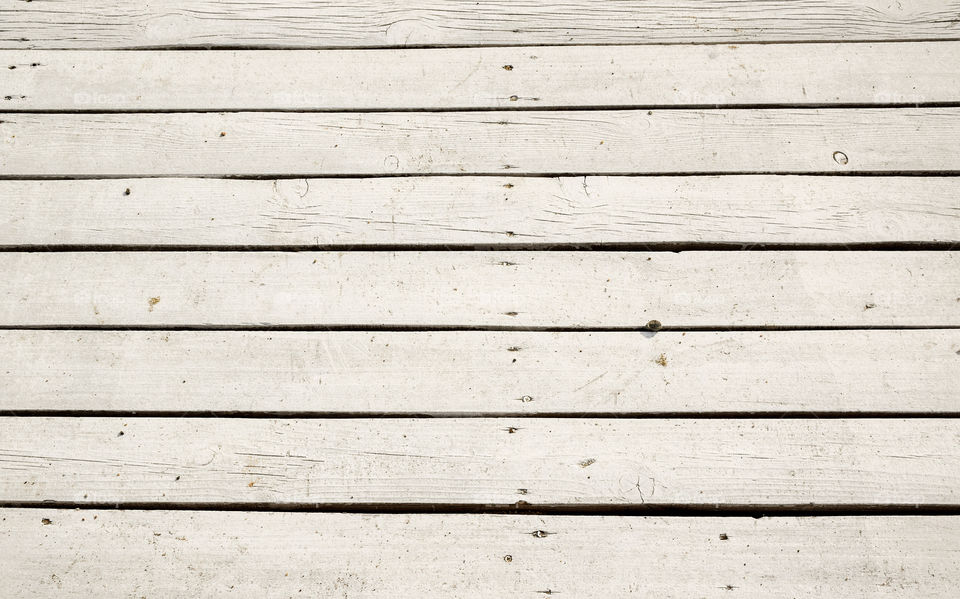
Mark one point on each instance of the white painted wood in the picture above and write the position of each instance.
(210, 554)
(476, 372)
(298, 23)
(481, 461)
(543, 77)
(744, 209)
(538, 142)
(548, 289)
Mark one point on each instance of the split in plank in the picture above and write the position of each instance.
(509, 289)
(507, 211)
(477, 372)
(48, 552)
(302, 23)
(470, 78)
(481, 461)
(518, 142)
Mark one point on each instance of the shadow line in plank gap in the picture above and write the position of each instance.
(520, 508)
(543, 108)
(267, 414)
(238, 47)
(502, 174)
(665, 247)
(424, 328)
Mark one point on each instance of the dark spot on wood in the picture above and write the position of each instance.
(46, 521)
(508, 185)
(508, 558)
(869, 306)
(126, 191)
(507, 233)
(513, 348)
(662, 360)
(506, 263)
(120, 434)
(523, 491)
(654, 325)
(525, 399)
(587, 462)
(514, 98)
(223, 134)
(508, 67)
(511, 429)
(178, 477)
(723, 536)
(540, 534)
(11, 67)
(511, 313)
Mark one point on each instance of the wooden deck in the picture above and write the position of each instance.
(498, 299)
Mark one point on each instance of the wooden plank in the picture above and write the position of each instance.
(538, 142)
(742, 209)
(481, 461)
(477, 372)
(445, 78)
(47, 552)
(298, 23)
(517, 289)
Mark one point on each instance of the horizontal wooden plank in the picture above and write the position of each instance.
(47, 552)
(475, 372)
(298, 23)
(518, 289)
(481, 461)
(538, 142)
(743, 209)
(444, 78)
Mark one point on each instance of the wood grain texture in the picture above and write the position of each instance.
(518, 289)
(543, 77)
(481, 461)
(210, 554)
(298, 23)
(475, 372)
(539, 142)
(742, 209)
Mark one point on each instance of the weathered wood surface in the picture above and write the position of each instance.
(517, 289)
(299, 23)
(47, 553)
(538, 142)
(479, 372)
(741, 209)
(542, 77)
(481, 461)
